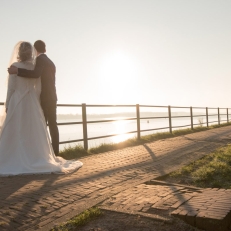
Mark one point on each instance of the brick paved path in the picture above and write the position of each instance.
(41, 201)
(207, 209)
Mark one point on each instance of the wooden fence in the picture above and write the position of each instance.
(138, 119)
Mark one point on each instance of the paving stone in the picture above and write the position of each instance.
(105, 175)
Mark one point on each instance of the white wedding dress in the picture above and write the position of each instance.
(25, 146)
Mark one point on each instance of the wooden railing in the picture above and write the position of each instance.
(138, 118)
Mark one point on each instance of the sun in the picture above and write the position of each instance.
(117, 72)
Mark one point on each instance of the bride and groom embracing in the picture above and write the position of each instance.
(25, 146)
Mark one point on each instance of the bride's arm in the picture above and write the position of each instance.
(38, 87)
(10, 89)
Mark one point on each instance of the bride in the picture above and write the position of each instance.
(25, 146)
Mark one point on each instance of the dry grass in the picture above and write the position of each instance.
(78, 151)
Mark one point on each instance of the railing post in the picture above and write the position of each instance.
(207, 117)
(138, 120)
(218, 111)
(191, 116)
(84, 120)
(170, 119)
(227, 115)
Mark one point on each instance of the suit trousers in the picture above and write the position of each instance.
(49, 110)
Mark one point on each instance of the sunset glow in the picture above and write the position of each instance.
(127, 52)
(120, 127)
(116, 75)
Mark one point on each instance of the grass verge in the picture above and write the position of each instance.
(78, 151)
(79, 220)
(211, 171)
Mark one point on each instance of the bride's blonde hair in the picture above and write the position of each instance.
(24, 52)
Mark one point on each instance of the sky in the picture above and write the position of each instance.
(151, 52)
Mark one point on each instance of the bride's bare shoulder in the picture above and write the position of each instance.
(16, 64)
(26, 65)
(19, 64)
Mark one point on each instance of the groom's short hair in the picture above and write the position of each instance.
(40, 46)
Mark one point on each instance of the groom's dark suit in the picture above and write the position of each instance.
(45, 69)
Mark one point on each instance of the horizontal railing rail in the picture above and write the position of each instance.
(170, 116)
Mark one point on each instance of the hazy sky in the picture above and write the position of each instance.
(158, 52)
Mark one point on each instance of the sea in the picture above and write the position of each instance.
(74, 132)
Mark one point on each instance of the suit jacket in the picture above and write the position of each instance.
(45, 69)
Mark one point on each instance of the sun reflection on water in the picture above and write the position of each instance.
(120, 127)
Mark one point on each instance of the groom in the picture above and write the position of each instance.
(45, 69)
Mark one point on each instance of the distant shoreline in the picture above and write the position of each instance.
(122, 115)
